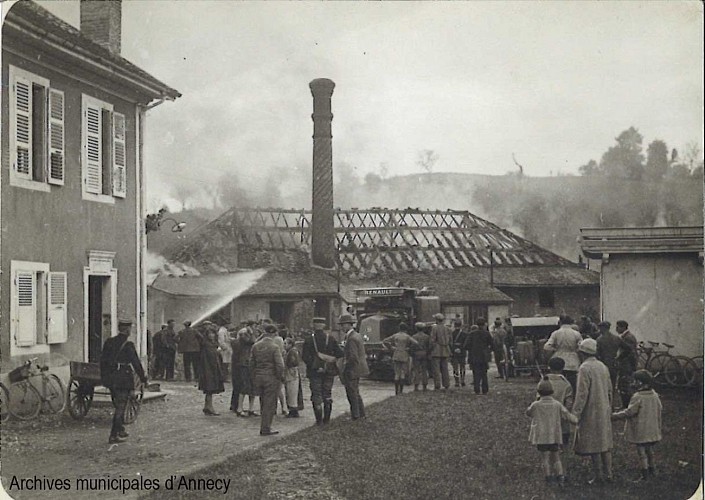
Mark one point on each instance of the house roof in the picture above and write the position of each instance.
(596, 242)
(249, 283)
(36, 24)
(549, 276)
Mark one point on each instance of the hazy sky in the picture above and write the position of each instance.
(553, 82)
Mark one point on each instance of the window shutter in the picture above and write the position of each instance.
(22, 107)
(93, 154)
(56, 308)
(25, 283)
(56, 137)
(119, 167)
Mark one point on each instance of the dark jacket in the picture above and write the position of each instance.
(607, 347)
(626, 355)
(188, 340)
(423, 347)
(459, 343)
(326, 345)
(246, 338)
(479, 346)
(113, 354)
(266, 360)
(169, 339)
(210, 376)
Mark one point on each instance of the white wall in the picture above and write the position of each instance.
(498, 311)
(659, 295)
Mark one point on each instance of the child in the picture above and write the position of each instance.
(546, 414)
(562, 392)
(643, 422)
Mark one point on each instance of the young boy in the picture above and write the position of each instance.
(545, 433)
(643, 422)
(562, 392)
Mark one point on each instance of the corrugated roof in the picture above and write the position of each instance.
(30, 17)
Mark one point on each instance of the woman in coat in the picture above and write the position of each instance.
(211, 375)
(593, 407)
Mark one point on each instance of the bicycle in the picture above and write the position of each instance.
(4, 404)
(26, 400)
(658, 363)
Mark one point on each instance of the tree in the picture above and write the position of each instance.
(625, 160)
(657, 160)
(426, 159)
(590, 168)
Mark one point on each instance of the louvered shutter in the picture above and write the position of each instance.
(56, 137)
(25, 284)
(22, 107)
(56, 308)
(119, 167)
(93, 153)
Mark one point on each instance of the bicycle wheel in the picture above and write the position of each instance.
(54, 394)
(657, 367)
(134, 402)
(698, 362)
(25, 401)
(80, 398)
(4, 404)
(681, 371)
(642, 360)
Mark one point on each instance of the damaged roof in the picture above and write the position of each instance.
(374, 243)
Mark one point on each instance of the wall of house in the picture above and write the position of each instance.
(497, 311)
(60, 228)
(574, 301)
(659, 295)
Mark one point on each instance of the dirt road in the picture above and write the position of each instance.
(170, 437)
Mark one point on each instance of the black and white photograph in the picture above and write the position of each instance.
(351, 250)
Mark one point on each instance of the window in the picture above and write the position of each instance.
(104, 153)
(36, 131)
(38, 307)
(546, 297)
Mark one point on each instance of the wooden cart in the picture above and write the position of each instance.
(85, 383)
(530, 335)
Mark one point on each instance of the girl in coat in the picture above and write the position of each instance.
(292, 380)
(643, 417)
(211, 375)
(545, 433)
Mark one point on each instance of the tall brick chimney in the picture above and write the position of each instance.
(101, 21)
(322, 229)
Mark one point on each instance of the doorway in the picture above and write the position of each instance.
(99, 315)
(281, 312)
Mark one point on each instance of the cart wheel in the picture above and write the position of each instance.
(80, 398)
(4, 404)
(132, 409)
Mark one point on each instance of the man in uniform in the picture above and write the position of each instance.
(158, 354)
(355, 366)
(460, 352)
(169, 341)
(440, 352)
(320, 372)
(267, 371)
(117, 351)
(401, 343)
(626, 362)
(190, 349)
(419, 353)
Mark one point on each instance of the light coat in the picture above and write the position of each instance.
(643, 417)
(400, 342)
(546, 415)
(224, 344)
(563, 393)
(593, 407)
(564, 342)
(440, 341)
(355, 357)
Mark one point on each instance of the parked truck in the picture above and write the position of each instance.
(380, 311)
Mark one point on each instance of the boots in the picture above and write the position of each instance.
(396, 387)
(318, 413)
(401, 387)
(416, 387)
(327, 409)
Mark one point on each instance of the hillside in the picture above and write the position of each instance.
(546, 210)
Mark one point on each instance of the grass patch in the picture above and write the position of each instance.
(453, 445)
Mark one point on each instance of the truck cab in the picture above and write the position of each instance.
(380, 310)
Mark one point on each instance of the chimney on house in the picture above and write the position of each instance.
(101, 21)
(322, 229)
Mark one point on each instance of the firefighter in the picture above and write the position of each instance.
(460, 352)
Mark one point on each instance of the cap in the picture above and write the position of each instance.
(643, 376)
(588, 346)
(545, 388)
(606, 324)
(345, 318)
(439, 317)
(556, 363)
(270, 328)
(319, 320)
(419, 325)
(124, 324)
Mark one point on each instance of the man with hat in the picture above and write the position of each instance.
(267, 370)
(626, 362)
(607, 347)
(320, 351)
(593, 407)
(479, 354)
(190, 349)
(440, 352)
(355, 365)
(119, 352)
(419, 353)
